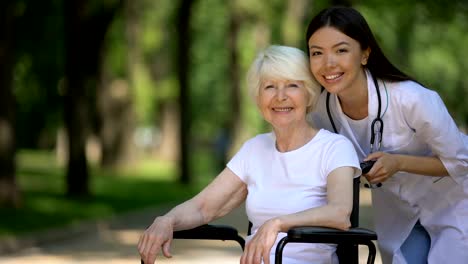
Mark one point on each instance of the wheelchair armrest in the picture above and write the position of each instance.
(211, 232)
(330, 235)
(314, 234)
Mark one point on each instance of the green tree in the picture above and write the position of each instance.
(423, 38)
(9, 192)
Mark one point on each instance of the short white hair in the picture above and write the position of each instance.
(282, 62)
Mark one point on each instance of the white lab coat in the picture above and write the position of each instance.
(416, 122)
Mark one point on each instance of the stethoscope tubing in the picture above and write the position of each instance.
(378, 120)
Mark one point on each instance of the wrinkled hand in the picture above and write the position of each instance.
(385, 166)
(158, 236)
(260, 246)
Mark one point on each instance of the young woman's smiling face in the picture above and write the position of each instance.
(283, 103)
(336, 61)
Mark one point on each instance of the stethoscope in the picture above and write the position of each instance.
(376, 126)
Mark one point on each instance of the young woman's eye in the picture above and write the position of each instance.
(315, 53)
(293, 85)
(268, 87)
(342, 50)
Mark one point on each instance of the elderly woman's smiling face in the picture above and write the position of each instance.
(283, 103)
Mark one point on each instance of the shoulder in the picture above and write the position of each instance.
(332, 139)
(411, 99)
(336, 151)
(409, 91)
(260, 140)
(249, 153)
(336, 145)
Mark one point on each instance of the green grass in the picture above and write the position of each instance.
(42, 183)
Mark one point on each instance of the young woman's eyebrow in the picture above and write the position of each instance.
(336, 45)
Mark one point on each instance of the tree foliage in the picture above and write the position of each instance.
(162, 54)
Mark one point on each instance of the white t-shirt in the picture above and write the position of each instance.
(285, 183)
(361, 127)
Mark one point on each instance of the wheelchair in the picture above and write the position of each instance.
(347, 241)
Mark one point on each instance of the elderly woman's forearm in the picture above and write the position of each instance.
(334, 216)
(220, 197)
(185, 216)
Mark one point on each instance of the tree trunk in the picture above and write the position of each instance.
(116, 116)
(279, 9)
(182, 68)
(114, 102)
(230, 130)
(170, 131)
(296, 16)
(114, 99)
(84, 38)
(9, 192)
(116, 123)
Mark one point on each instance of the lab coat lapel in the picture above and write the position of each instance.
(373, 99)
(342, 124)
(373, 104)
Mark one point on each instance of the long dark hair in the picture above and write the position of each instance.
(351, 23)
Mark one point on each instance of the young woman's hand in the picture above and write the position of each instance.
(259, 247)
(385, 166)
(158, 236)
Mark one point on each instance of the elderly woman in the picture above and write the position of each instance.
(294, 176)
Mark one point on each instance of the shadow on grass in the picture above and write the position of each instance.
(45, 205)
(45, 209)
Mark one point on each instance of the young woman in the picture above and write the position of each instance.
(419, 156)
(294, 176)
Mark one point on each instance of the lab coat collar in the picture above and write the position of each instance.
(373, 99)
(342, 124)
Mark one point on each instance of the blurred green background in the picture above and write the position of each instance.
(108, 106)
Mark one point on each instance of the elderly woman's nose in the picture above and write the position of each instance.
(281, 94)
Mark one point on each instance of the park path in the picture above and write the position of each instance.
(114, 241)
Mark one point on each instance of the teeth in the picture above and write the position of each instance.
(330, 77)
(285, 109)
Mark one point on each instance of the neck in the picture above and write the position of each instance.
(354, 101)
(289, 139)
